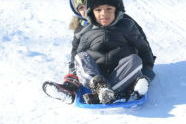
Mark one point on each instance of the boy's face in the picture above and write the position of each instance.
(104, 14)
(82, 10)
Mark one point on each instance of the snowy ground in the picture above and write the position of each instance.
(35, 43)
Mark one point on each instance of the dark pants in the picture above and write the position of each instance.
(123, 76)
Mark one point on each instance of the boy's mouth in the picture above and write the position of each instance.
(105, 20)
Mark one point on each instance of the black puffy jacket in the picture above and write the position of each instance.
(107, 45)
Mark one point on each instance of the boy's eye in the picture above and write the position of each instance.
(98, 10)
(109, 9)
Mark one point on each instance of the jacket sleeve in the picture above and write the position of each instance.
(138, 40)
(75, 44)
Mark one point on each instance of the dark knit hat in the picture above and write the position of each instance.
(91, 4)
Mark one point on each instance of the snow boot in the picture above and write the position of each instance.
(64, 92)
(99, 86)
(97, 82)
(106, 95)
(91, 98)
(140, 89)
(141, 86)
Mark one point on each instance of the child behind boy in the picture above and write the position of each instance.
(65, 92)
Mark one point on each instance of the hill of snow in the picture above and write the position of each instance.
(35, 45)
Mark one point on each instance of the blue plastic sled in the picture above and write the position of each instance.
(79, 102)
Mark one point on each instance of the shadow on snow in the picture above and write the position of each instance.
(167, 91)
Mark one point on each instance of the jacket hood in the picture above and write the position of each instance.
(74, 4)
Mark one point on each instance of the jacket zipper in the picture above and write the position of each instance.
(106, 55)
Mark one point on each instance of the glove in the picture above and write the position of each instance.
(71, 82)
(148, 72)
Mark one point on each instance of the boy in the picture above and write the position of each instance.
(110, 54)
(73, 5)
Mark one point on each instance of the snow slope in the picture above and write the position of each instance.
(35, 45)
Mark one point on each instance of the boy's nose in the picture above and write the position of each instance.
(103, 12)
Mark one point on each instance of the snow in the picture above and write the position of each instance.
(35, 45)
